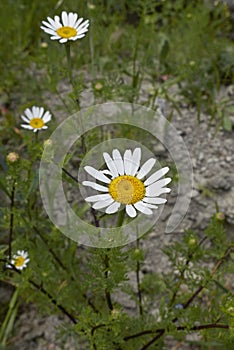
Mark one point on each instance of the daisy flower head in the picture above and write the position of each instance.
(68, 27)
(20, 260)
(126, 184)
(35, 118)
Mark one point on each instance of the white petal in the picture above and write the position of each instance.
(48, 31)
(113, 208)
(79, 36)
(35, 111)
(136, 158)
(78, 22)
(153, 190)
(83, 25)
(152, 206)
(131, 211)
(29, 114)
(41, 111)
(154, 200)
(55, 23)
(106, 172)
(111, 165)
(103, 204)
(26, 126)
(95, 186)
(98, 197)
(26, 120)
(128, 161)
(97, 174)
(56, 37)
(155, 176)
(143, 208)
(72, 19)
(118, 161)
(63, 40)
(47, 25)
(163, 182)
(146, 167)
(65, 18)
(47, 117)
(81, 31)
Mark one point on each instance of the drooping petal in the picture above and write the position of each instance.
(146, 167)
(143, 208)
(110, 164)
(97, 174)
(131, 211)
(113, 208)
(95, 186)
(155, 176)
(118, 160)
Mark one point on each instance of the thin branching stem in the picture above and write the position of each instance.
(160, 332)
(181, 278)
(45, 292)
(70, 175)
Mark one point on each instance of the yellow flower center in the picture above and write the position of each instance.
(19, 261)
(127, 189)
(36, 123)
(66, 32)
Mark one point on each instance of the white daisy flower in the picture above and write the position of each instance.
(20, 260)
(124, 184)
(71, 27)
(35, 118)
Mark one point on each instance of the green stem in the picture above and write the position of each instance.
(139, 294)
(8, 322)
(69, 64)
(121, 216)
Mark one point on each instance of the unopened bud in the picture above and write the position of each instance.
(12, 157)
(220, 216)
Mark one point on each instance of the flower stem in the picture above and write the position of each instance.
(139, 294)
(69, 64)
(120, 219)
